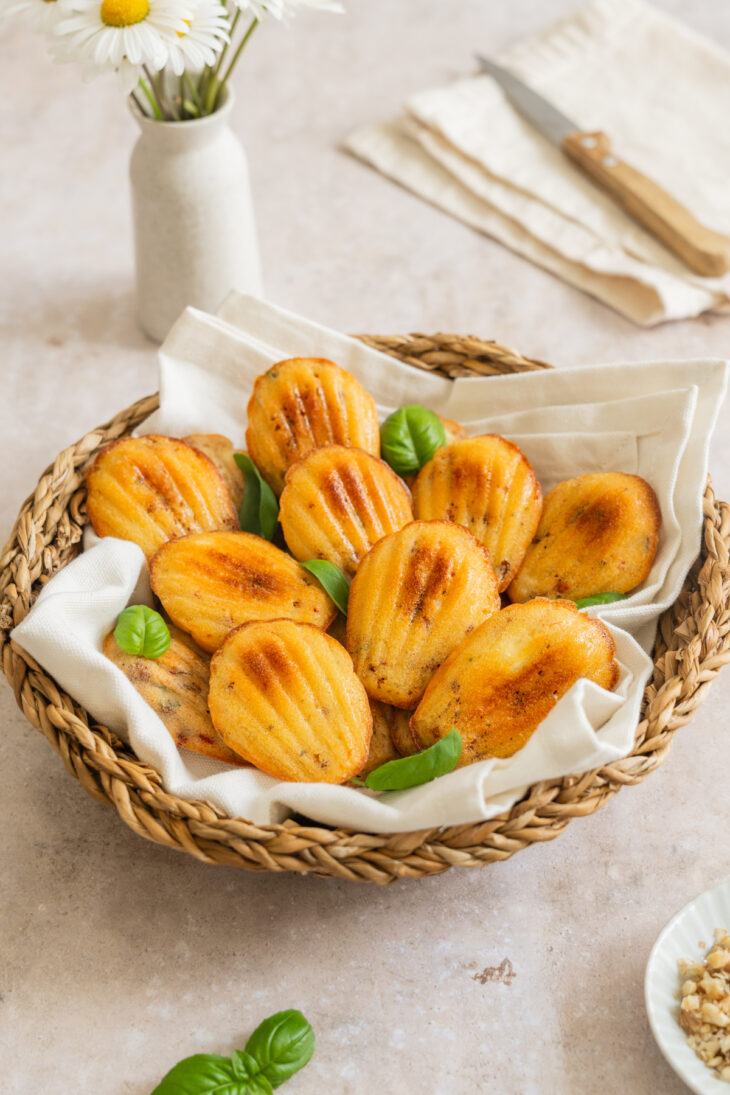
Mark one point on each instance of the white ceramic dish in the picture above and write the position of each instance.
(695, 923)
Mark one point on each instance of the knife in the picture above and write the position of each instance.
(702, 250)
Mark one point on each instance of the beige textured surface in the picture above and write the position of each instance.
(119, 957)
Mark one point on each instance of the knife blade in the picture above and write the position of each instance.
(703, 250)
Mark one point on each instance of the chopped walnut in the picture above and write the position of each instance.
(704, 1013)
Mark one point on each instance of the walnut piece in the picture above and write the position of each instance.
(704, 1013)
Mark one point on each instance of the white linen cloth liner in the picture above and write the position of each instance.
(573, 423)
(659, 90)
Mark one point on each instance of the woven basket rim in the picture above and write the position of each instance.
(693, 644)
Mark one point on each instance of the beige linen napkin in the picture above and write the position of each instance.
(659, 90)
(569, 423)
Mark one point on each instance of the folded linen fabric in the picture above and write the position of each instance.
(575, 423)
(612, 66)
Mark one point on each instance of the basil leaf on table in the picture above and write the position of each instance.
(202, 1074)
(259, 511)
(281, 1045)
(278, 1048)
(600, 599)
(141, 630)
(332, 580)
(409, 437)
(437, 760)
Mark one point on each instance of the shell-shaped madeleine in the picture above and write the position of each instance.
(487, 484)
(598, 534)
(210, 582)
(338, 502)
(381, 745)
(284, 696)
(151, 489)
(504, 679)
(220, 450)
(454, 432)
(175, 686)
(304, 403)
(415, 596)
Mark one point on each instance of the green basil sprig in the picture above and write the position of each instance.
(259, 511)
(437, 760)
(278, 1048)
(332, 580)
(409, 437)
(141, 630)
(600, 599)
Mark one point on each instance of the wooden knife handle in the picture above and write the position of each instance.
(704, 251)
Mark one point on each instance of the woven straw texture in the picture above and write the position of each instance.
(693, 644)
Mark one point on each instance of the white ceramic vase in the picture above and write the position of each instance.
(194, 228)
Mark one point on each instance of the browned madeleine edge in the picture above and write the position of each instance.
(365, 707)
(231, 517)
(561, 605)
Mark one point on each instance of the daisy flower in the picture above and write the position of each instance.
(203, 39)
(108, 34)
(41, 14)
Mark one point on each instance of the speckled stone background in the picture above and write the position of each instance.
(120, 957)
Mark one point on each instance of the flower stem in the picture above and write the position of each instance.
(216, 85)
(194, 96)
(160, 112)
(157, 112)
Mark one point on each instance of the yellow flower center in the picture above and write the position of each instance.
(124, 13)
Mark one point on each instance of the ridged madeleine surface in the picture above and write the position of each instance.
(210, 582)
(504, 679)
(304, 403)
(453, 431)
(220, 450)
(415, 596)
(338, 502)
(487, 484)
(284, 696)
(151, 489)
(381, 748)
(176, 688)
(598, 534)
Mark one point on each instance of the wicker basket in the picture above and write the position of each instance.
(693, 644)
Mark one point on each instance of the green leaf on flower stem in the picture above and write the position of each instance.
(437, 760)
(409, 437)
(142, 631)
(259, 511)
(332, 580)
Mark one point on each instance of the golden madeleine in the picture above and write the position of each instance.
(486, 484)
(304, 403)
(504, 679)
(284, 696)
(337, 502)
(399, 725)
(151, 489)
(381, 746)
(598, 534)
(210, 582)
(453, 431)
(220, 450)
(175, 686)
(415, 596)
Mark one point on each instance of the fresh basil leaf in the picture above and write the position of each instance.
(600, 599)
(259, 511)
(409, 437)
(202, 1074)
(246, 1068)
(437, 760)
(281, 1045)
(141, 630)
(332, 580)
